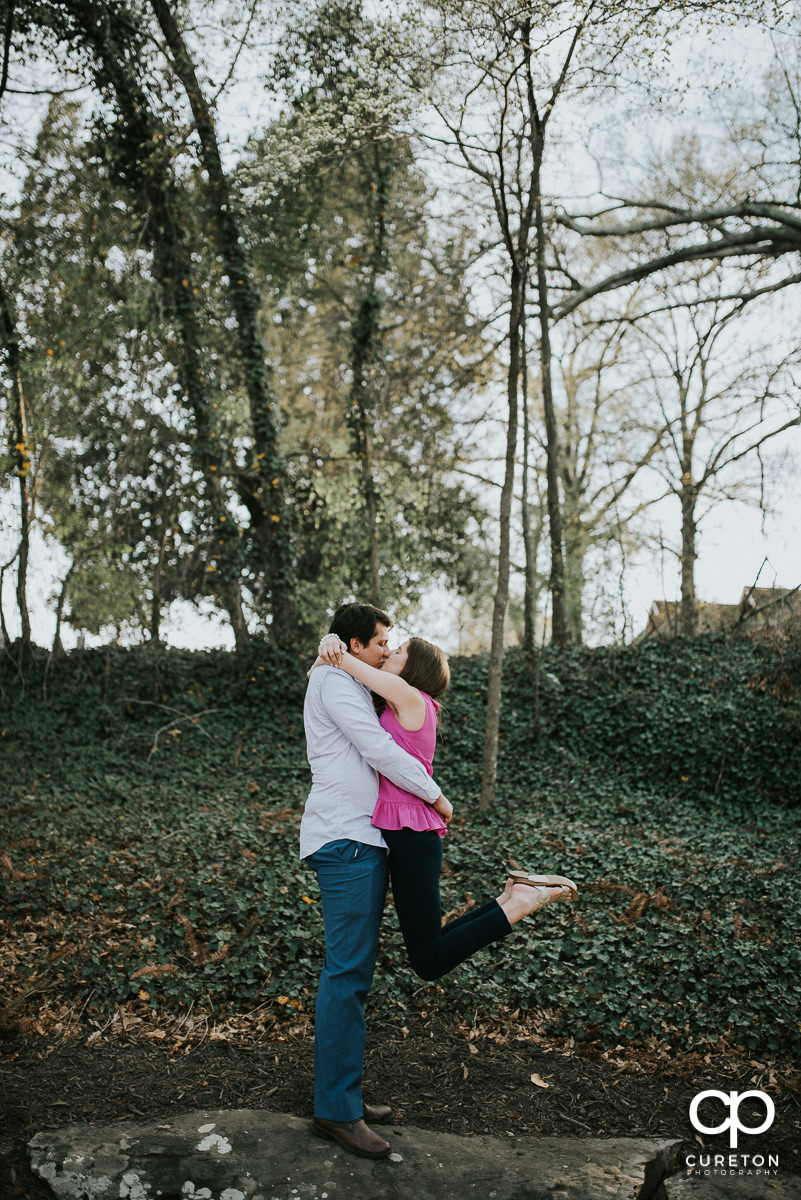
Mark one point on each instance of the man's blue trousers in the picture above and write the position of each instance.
(353, 887)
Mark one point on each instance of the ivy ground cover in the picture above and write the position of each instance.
(151, 805)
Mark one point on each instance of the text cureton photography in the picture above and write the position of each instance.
(734, 1163)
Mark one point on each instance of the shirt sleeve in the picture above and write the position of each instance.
(349, 712)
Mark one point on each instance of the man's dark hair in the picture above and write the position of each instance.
(358, 621)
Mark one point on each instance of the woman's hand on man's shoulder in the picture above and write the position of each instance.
(331, 649)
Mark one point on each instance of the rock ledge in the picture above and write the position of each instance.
(259, 1155)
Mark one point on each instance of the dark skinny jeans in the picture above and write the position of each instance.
(415, 863)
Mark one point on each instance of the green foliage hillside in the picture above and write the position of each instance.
(151, 803)
(705, 718)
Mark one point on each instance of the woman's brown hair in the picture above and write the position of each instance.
(426, 668)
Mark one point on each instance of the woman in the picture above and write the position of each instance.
(410, 682)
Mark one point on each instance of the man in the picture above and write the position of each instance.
(347, 750)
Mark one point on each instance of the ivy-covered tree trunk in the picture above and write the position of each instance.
(141, 163)
(365, 355)
(21, 452)
(360, 419)
(264, 488)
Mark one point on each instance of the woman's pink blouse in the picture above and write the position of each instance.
(399, 809)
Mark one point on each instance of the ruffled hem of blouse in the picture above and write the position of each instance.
(419, 817)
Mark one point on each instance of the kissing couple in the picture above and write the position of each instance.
(375, 814)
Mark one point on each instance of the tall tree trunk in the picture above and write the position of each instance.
(517, 246)
(360, 419)
(559, 631)
(156, 601)
(688, 498)
(365, 356)
(530, 543)
(22, 453)
(688, 619)
(58, 645)
(144, 168)
(266, 486)
(575, 550)
(495, 673)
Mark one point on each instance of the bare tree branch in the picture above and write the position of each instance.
(758, 242)
(782, 214)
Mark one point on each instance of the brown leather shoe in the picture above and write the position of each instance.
(377, 1114)
(355, 1136)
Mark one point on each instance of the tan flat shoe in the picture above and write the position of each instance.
(545, 881)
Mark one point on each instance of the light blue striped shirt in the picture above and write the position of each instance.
(347, 750)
